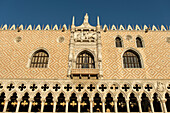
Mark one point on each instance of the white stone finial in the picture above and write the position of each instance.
(73, 21)
(98, 22)
(86, 18)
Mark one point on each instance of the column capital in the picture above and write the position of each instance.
(31, 99)
(163, 100)
(55, 100)
(19, 99)
(151, 100)
(139, 100)
(43, 99)
(6, 99)
(67, 100)
(115, 100)
(127, 100)
(91, 100)
(103, 100)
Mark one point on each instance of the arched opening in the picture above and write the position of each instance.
(73, 104)
(131, 59)
(12, 104)
(2, 101)
(48, 105)
(118, 42)
(24, 103)
(139, 42)
(109, 103)
(97, 103)
(85, 60)
(145, 103)
(167, 102)
(85, 104)
(61, 104)
(39, 59)
(133, 104)
(36, 104)
(121, 103)
(156, 103)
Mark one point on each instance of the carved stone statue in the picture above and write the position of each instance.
(160, 86)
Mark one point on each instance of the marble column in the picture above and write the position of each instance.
(54, 105)
(115, 103)
(18, 105)
(5, 105)
(42, 104)
(103, 105)
(67, 102)
(151, 103)
(30, 105)
(91, 105)
(164, 109)
(79, 106)
(139, 104)
(127, 104)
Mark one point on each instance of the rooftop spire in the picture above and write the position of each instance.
(73, 21)
(98, 22)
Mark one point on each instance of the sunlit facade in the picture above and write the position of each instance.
(84, 68)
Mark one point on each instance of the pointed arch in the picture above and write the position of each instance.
(131, 59)
(73, 104)
(122, 107)
(139, 42)
(61, 103)
(24, 103)
(39, 58)
(118, 41)
(145, 103)
(167, 96)
(85, 59)
(36, 104)
(2, 101)
(48, 107)
(109, 103)
(85, 103)
(133, 104)
(97, 103)
(156, 103)
(12, 104)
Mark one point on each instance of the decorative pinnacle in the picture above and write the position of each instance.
(98, 22)
(73, 21)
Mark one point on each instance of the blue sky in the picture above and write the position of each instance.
(61, 11)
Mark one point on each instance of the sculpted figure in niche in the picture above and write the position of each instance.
(160, 87)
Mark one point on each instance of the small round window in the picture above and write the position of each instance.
(18, 39)
(60, 39)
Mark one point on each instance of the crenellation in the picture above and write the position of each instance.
(113, 27)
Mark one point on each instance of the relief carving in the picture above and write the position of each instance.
(85, 36)
(160, 86)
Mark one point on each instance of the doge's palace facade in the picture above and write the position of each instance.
(85, 68)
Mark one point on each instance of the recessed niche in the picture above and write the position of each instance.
(17, 39)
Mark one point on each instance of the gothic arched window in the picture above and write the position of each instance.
(118, 42)
(139, 42)
(39, 59)
(85, 60)
(131, 59)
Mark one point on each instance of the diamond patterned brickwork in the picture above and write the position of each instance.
(14, 56)
(155, 55)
